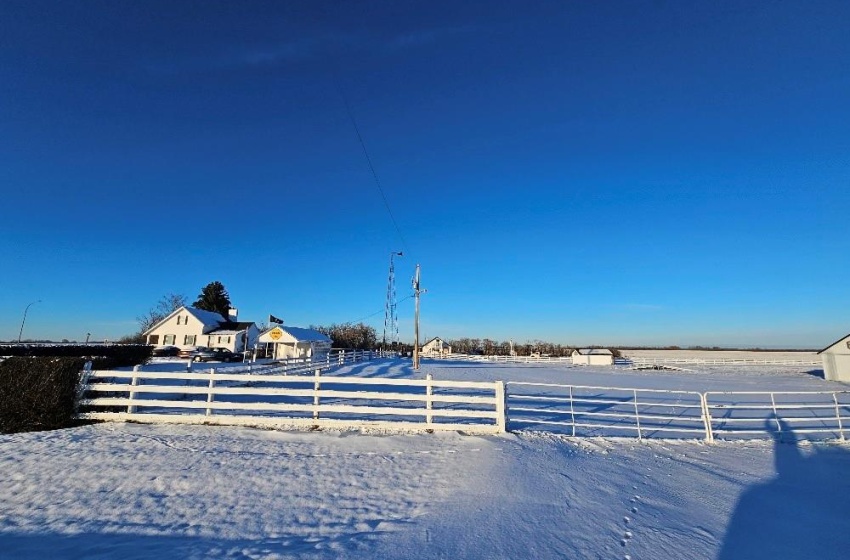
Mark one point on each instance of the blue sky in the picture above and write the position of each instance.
(580, 172)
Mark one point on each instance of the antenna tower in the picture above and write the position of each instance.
(390, 315)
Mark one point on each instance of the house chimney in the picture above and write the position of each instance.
(232, 313)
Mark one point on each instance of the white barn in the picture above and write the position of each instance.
(189, 327)
(283, 343)
(592, 357)
(836, 360)
(436, 347)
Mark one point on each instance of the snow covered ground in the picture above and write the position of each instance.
(144, 491)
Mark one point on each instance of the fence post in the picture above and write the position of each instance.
(189, 366)
(572, 411)
(316, 395)
(501, 407)
(706, 417)
(210, 391)
(84, 381)
(776, 417)
(637, 415)
(131, 408)
(838, 417)
(429, 403)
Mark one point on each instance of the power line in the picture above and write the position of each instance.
(369, 161)
(379, 311)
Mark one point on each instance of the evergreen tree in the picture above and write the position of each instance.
(214, 298)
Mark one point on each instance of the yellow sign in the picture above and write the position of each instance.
(275, 333)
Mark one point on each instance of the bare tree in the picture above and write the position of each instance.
(162, 309)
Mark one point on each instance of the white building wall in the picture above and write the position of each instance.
(592, 359)
(188, 326)
(836, 361)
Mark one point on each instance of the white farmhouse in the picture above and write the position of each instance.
(593, 357)
(836, 360)
(436, 347)
(294, 342)
(188, 327)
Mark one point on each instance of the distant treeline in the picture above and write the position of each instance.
(349, 335)
(720, 348)
(489, 347)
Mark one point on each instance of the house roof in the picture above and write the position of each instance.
(594, 352)
(300, 334)
(834, 343)
(212, 321)
(208, 318)
(232, 327)
(433, 339)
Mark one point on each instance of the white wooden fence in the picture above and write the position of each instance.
(296, 394)
(648, 361)
(502, 359)
(294, 401)
(591, 411)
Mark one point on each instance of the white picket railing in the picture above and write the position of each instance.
(618, 411)
(294, 401)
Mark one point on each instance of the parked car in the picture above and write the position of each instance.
(194, 352)
(163, 351)
(218, 355)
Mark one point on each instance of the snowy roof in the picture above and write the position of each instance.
(594, 352)
(232, 327)
(209, 318)
(432, 340)
(300, 334)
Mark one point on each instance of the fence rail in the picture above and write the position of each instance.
(818, 414)
(217, 397)
(619, 411)
(296, 394)
(503, 359)
(591, 411)
(641, 361)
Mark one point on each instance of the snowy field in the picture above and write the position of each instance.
(146, 491)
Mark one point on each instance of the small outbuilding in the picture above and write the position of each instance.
(592, 357)
(836, 360)
(283, 343)
(436, 347)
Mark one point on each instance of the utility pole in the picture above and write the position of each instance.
(416, 292)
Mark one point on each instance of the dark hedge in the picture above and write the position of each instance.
(38, 393)
(103, 356)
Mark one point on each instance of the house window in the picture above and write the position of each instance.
(189, 340)
(228, 340)
(178, 319)
(153, 339)
(168, 339)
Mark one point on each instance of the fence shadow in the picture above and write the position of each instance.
(800, 514)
